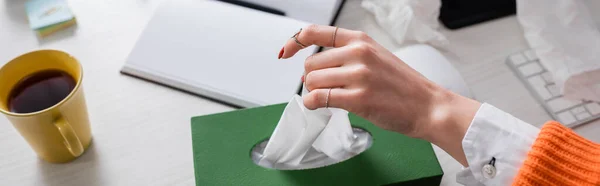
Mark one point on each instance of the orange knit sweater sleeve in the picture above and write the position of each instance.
(560, 157)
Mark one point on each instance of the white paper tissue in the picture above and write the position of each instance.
(307, 138)
(408, 20)
(567, 41)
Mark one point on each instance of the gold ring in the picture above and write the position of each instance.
(334, 34)
(327, 98)
(295, 37)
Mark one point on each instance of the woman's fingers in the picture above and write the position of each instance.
(327, 59)
(321, 98)
(328, 78)
(328, 73)
(318, 35)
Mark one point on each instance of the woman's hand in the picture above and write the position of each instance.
(368, 80)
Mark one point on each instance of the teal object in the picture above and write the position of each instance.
(43, 13)
(222, 144)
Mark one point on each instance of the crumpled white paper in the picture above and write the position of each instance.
(408, 20)
(307, 138)
(567, 41)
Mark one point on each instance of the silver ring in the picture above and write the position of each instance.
(327, 98)
(295, 37)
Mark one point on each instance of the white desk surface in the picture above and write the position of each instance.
(142, 130)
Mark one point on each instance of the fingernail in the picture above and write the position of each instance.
(302, 79)
(280, 53)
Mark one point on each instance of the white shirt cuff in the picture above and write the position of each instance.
(495, 134)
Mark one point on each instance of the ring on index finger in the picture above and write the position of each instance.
(295, 37)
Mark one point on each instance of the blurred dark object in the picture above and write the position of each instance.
(456, 14)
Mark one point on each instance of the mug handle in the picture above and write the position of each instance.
(71, 140)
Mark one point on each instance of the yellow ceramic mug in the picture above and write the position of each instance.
(61, 132)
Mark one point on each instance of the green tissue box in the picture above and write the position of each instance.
(222, 146)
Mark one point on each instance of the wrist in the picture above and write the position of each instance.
(449, 119)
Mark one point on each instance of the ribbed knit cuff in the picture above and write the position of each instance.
(560, 157)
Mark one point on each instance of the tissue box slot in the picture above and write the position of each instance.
(314, 159)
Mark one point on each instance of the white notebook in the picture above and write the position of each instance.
(221, 51)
